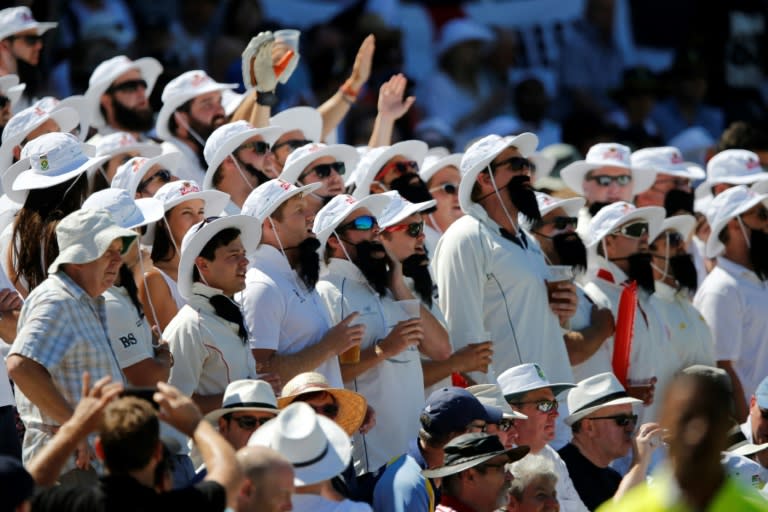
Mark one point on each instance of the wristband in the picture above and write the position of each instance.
(266, 99)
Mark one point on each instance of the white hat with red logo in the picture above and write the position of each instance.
(19, 19)
(667, 160)
(570, 205)
(300, 159)
(728, 205)
(24, 122)
(607, 154)
(734, 167)
(332, 214)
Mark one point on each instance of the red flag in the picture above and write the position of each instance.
(622, 339)
(458, 380)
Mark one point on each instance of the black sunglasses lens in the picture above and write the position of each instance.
(450, 188)
(4, 101)
(415, 228)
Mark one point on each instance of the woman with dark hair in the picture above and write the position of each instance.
(185, 205)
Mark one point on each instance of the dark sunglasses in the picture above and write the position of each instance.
(414, 229)
(258, 146)
(506, 425)
(634, 230)
(448, 188)
(764, 413)
(324, 170)
(674, 239)
(362, 223)
(400, 167)
(605, 181)
(562, 223)
(4, 101)
(621, 420)
(294, 144)
(128, 86)
(249, 422)
(163, 175)
(761, 214)
(327, 410)
(543, 405)
(29, 40)
(516, 164)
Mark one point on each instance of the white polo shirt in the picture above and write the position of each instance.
(689, 333)
(567, 495)
(395, 386)
(492, 289)
(734, 303)
(281, 314)
(130, 335)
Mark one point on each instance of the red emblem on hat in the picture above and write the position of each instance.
(676, 158)
(626, 208)
(199, 79)
(40, 112)
(284, 185)
(548, 200)
(125, 140)
(25, 16)
(188, 187)
(752, 163)
(351, 200)
(613, 154)
(138, 162)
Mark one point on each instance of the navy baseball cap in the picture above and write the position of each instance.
(452, 409)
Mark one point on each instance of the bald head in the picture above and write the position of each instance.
(269, 480)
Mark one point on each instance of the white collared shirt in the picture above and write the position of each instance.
(395, 386)
(281, 314)
(734, 303)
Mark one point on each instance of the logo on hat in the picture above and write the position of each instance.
(676, 158)
(539, 371)
(752, 163)
(188, 188)
(40, 112)
(44, 162)
(199, 79)
(626, 208)
(126, 140)
(137, 163)
(612, 154)
(284, 185)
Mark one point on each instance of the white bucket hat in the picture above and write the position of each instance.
(131, 173)
(337, 209)
(725, 206)
(226, 139)
(21, 124)
(610, 217)
(306, 119)
(123, 142)
(53, 158)
(77, 103)
(460, 31)
(19, 19)
(682, 224)
(434, 163)
(607, 154)
(666, 160)
(372, 162)
(126, 211)
(267, 197)
(527, 377)
(85, 235)
(490, 394)
(594, 393)
(201, 233)
(245, 395)
(570, 205)
(109, 71)
(180, 90)
(400, 208)
(300, 159)
(734, 167)
(316, 446)
(480, 154)
(10, 86)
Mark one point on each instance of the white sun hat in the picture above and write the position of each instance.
(337, 209)
(180, 90)
(109, 71)
(299, 159)
(372, 162)
(77, 103)
(19, 19)
(10, 86)
(734, 167)
(607, 154)
(318, 448)
(594, 393)
(131, 173)
(433, 163)
(725, 206)
(682, 224)
(400, 208)
(126, 211)
(202, 233)
(305, 119)
(245, 395)
(117, 143)
(666, 160)
(53, 158)
(267, 197)
(527, 377)
(570, 205)
(490, 394)
(614, 215)
(24, 122)
(481, 153)
(462, 30)
(226, 139)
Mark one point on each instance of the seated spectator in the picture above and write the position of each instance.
(121, 147)
(533, 486)
(247, 405)
(268, 483)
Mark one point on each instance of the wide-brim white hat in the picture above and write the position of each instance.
(432, 164)
(300, 159)
(332, 214)
(22, 123)
(725, 206)
(607, 154)
(683, 224)
(490, 394)
(123, 142)
(129, 175)
(479, 155)
(611, 217)
(570, 205)
(594, 393)
(525, 378)
(306, 119)
(245, 395)
(267, 197)
(14, 20)
(9, 85)
(400, 208)
(667, 160)
(318, 448)
(126, 211)
(201, 233)
(372, 162)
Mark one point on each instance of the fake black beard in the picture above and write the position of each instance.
(596, 207)
(524, 197)
(683, 270)
(253, 171)
(411, 187)
(758, 253)
(677, 201)
(133, 120)
(309, 262)
(374, 268)
(640, 270)
(416, 267)
(570, 250)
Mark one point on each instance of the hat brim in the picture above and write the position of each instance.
(213, 416)
(573, 175)
(15, 92)
(375, 203)
(66, 117)
(447, 161)
(341, 152)
(151, 209)
(103, 239)
(270, 134)
(514, 454)
(142, 148)
(305, 119)
(305, 189)
(556, 388)
(683, 224)
(215, 203)
(409, 210)
(745, 448)
(40, 28)
(525, 143)
(352, 406)
(571, 206)
(148, 67)
(544, 165)
(714, 246)
(654, 215)
(169, 107)
(581, 414)
(250, 235)
(30, 179)
(414, 150)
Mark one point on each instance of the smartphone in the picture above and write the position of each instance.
(143, 393)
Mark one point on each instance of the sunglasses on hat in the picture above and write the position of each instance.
(605, 181)
(258, 146)
(635, 230)
(128, 86)
(414, 229)
(163, 175)
(323, 171)
(362, 223)
(400, 167)
(448, 188)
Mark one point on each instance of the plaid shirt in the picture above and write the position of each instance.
(64, 329)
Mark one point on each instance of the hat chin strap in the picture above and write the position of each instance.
(202, 277)
(242, 174)
(192, 132)
(744, 232)
(666, 260)
(277, 237)
(498, 196)
(344, 249)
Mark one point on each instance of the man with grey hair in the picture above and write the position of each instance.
(268, 483)
(532, 488)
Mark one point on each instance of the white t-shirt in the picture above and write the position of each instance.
(130, 335)
(395, 386)
(281, 314)
(732, 300)
(567, 494)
